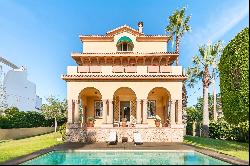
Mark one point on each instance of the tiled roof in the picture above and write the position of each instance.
(123, 26)
(155, 36)
(122, 52)
(94, 36)
(111, 36)
(123, 76)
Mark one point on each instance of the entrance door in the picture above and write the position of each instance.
(125, 110)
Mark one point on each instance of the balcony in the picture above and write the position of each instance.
(125, 70)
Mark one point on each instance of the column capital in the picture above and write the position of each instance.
(172, 100)
(144, 100)
(110, 101)
(76, 100)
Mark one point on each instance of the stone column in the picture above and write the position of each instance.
(138, 111)
(172, 113)
(83, 115)
(76, 116)
(104, 114)
(179, 111)
(70, 119)
(110, 117)
(145, 111)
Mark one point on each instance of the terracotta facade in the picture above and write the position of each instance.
(135, 84)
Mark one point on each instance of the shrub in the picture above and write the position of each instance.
(234, 79)
(223, 130)
(13, 118)
(62, 130)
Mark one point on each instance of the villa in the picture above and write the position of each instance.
(123, 80)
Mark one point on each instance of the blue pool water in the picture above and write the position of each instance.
(124, 158)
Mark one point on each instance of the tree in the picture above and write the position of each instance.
(178, 26)
(184, 104)
(3, 98)
(215, 74)
(194, 116)
(234, 78)
(200, 101)
(54, 109)
(200, 71)
(13, 118)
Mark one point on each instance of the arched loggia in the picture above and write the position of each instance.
(158, 104)
(124, 104)
(91, 104)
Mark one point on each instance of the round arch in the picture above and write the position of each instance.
(124, 104)
(91, 104)
(90, 91)
(158, 104)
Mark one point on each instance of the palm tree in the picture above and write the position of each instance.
(178, 26)
(208, 54)
(215, 72)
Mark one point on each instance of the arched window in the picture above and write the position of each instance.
(125, 44)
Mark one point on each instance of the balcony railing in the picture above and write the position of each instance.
(175, 70)
(171, 70)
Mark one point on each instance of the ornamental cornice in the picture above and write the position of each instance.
(122, 53)
(123, 77)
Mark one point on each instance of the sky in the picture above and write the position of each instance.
(41, 34)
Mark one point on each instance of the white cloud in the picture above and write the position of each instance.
(213, 28)
(228, 19)
(216, 25)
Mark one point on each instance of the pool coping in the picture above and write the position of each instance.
(61, 147)
(219, 155)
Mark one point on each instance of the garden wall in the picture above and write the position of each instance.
(23, 132)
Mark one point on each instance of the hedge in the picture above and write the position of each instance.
(223, 130)
(234, 79)
(13, 118)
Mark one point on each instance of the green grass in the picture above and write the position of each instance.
(236, 149)
(10, 149)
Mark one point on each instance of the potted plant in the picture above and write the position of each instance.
(167, 123)
(91, 121)
(124, 122)
(157, 121)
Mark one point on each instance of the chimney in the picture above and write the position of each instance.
(140, 26)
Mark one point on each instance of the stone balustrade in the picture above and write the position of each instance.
(168, 70)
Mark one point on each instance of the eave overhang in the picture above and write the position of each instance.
(155, 58)
(131, 77)
(107, 38)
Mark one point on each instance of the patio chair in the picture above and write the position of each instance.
(112, 138)
(137, 138)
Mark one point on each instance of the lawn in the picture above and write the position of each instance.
(236, 149)
(11, 149)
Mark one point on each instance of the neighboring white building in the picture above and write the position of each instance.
(19, 91)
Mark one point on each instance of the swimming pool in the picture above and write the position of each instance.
(124, 157)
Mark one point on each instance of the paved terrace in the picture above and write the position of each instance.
(127, 146)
